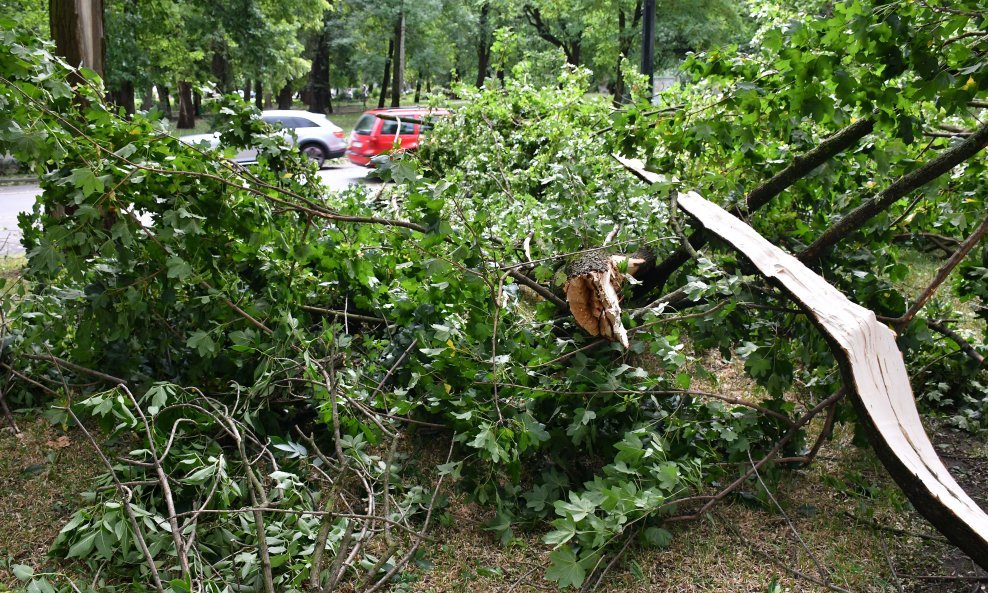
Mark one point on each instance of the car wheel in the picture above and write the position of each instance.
(316, 153)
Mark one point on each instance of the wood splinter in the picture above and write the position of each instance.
(593, 291)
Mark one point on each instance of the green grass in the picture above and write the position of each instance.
(10, 265)
(922, 268)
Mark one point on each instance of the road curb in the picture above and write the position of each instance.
(18, 180)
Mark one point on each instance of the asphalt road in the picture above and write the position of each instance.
(20, 198)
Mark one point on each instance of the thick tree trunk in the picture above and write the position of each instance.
(220, 69)
(247, 91)
(186, 107)
(483, 44)
(166, 102)
(318, 95)
(147, 99)
(418, 90)
(259, 94)
(387, 75)
(77, 28)
(285, 96)
(398, 64)
(124, 97)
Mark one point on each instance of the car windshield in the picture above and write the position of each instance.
(365, 125)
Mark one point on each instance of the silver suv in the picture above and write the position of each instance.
(317, 137)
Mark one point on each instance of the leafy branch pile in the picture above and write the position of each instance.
(261, 356)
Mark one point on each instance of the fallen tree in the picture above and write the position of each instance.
(282, 355)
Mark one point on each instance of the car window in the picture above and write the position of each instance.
(390, 127)
(300, 122)
(274, 120)
(365, 125)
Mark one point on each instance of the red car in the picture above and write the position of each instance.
(374, 135)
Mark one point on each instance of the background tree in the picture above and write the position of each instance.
(77, 28)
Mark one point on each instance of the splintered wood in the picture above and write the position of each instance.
(872, 366)
(593, 291)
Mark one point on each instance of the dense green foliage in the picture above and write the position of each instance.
(236, 305)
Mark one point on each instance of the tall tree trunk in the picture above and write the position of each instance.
(220, 68)
(166, 102)
(259, 93)
(285, 96)
(418, 90)
(77, 28)
(387, 75)
(247, 91)
(618, 97)
(197, 103)
(124, 97)
(483, 44)
(398, 64)
(147, 99)
(186, 108)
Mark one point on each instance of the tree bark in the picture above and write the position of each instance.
(220, 68)
(124, 97)
(247, 91)
(387, 75)
(483, 45)
(77, 29)
(398, 64)
(285, 96)
(197, 103)
(318, 96)
(186, 108)
(147, 99)
(418, 90)
(166, 102)
(761, 195)
(259, 94)
(915, 179)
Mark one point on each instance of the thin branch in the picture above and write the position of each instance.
(964, 345)
(942, 274)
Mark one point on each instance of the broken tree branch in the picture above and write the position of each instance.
(800, 167)
(902, 186)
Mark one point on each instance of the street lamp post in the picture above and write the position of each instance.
(648, 44)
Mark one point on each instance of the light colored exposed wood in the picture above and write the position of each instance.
(872, 365)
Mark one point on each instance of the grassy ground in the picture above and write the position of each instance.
(11, 265)
(43, 473)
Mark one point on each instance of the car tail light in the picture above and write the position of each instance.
(338, 134)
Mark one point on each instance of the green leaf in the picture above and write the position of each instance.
(178, 268)
(202, 342)
(85, 179)
(565, 568)
(82, 547)
(658, 537)
(22, 571)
